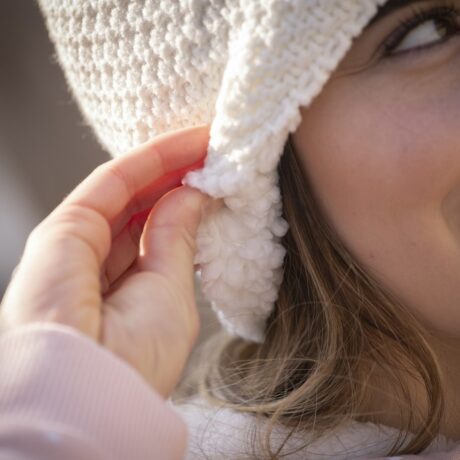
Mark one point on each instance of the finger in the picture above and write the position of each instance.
(145, 199)
(168, 243)
(112, 185)
(106, 193)
(167, 246)
(125, 245)
(124, 250)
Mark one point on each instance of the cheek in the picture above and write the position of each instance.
(381, 167)
(379, 150)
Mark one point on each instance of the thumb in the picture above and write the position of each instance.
(168, 242)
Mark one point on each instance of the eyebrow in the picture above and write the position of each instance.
(389, 7)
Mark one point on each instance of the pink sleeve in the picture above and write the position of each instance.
(62, 395)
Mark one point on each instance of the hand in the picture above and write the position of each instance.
(104, 262)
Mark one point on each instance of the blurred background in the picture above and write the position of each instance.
(45, 148)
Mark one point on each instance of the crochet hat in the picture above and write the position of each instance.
(139, 68)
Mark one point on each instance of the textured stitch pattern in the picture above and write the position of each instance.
(139, 68)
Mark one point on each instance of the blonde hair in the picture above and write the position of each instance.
(331, 325)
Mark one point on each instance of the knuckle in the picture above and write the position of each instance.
(71, 222)
(114, 169)
(75, 215)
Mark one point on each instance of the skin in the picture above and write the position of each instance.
(381, 150)
(115, 259)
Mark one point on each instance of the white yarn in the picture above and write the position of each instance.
(139, 68)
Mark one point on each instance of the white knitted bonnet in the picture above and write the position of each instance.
(139, 68)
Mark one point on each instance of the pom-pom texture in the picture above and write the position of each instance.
(139, 68)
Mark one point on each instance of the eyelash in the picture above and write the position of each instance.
(448, 13)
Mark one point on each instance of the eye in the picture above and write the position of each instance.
(424, 29)
(429, 32)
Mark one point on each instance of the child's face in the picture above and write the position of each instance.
(381, 148)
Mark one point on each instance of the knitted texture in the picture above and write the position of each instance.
(139, 68)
